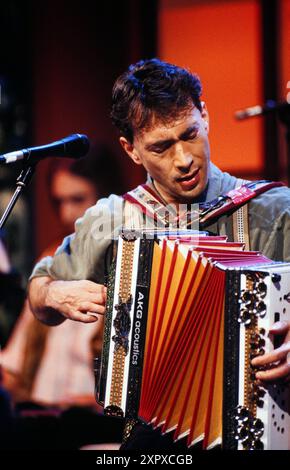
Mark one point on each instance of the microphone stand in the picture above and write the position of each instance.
(22, 181)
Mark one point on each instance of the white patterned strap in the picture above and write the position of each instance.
(241, 222)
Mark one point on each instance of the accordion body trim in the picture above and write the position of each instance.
(182, 324)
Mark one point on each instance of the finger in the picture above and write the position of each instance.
(93, 314)
(88, 307)
(94, 287)
(279, 328)
(277, 373)
(273, 356)
(94, 298)
(98, 297)
(101, 310)
(82, 317)
(92, 307)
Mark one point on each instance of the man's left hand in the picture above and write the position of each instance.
(276, 362)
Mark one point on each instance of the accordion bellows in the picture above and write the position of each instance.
(185, 315)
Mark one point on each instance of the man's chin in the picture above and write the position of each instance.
(189, 197)
(177, 195)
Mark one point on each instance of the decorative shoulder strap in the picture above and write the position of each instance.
(234, 199)
(150, 203)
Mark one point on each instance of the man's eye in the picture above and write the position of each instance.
(159, 150)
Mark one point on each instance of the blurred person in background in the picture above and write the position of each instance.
(53, 367)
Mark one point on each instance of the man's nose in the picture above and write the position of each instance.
(183, 158)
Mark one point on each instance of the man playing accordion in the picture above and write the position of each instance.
(164, 126)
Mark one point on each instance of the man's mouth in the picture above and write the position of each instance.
(189, 181)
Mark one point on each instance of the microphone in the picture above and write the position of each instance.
(73, 146)
(259, 110)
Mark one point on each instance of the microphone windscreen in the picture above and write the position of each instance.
(76, 145)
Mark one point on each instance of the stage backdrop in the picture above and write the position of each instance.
(221, 42)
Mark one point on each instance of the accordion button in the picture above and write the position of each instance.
(245, 317)
(257, 445)
(275, 278)
(261, 309)
(262, 289)
(257, 427)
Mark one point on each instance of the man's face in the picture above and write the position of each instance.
(71, 195)
(176, 155)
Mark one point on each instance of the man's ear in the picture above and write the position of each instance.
(130, 150)
(205, 116)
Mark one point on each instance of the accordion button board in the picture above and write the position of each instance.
(266, 420)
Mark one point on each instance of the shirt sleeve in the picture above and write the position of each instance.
(269, 219)
(283, 236)
(82, 255)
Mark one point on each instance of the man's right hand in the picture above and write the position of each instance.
(54, 301)
(77, 300)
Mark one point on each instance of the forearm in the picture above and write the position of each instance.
(39, 301)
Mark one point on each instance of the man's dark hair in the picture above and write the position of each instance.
(152, 88)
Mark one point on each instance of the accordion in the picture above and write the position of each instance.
(185, 315)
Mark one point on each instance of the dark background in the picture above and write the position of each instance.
(58, 62)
